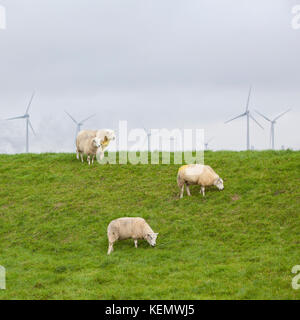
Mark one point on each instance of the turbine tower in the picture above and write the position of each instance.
(273, 122)
(148, 138)
(79, 124)
(172, 141)
(248, 115)
(28, 122)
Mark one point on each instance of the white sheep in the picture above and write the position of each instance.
(198, 174)
(89, 142)
(130, 228)
(105, 135)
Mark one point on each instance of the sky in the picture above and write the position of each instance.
(157, 64)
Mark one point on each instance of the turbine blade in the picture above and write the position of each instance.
(21, 117)
(248, 100)
(31, 127)
(71, 117)
(32, 96)
(241, 115)
(256, 121)
(263, 116)
(210, 140)
(93, 115)
(282, 114)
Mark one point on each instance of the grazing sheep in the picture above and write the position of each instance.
(197, 174)
(90, 142)
(105, 135)
(130, 228)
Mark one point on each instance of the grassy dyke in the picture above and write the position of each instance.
(240, 243)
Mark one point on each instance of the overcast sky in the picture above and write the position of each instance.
(155, 63)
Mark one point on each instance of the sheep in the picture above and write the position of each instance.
(105, 135)
(90, 142)
(197, 174)
(130, 228)
(87, 143)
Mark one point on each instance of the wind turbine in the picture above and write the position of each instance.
(28, 123)
(273, 122)
(79, 124)
(207, 143)
(248, 115)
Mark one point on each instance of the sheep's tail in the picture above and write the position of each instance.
(180, 182)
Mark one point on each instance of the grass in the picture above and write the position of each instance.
(240, 243)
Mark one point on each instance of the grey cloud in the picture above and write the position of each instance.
(154, 63)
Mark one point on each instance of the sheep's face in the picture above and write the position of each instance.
(105, 142)
(151, 238)
(97, 142)
(219, 184)
(110, 134)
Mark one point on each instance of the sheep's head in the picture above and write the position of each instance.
(97, 142)
(105, 142)
(151, 238)
(110, 134)
(219, 184)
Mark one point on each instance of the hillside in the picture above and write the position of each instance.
(240, 243)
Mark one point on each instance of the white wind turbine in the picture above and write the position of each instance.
(273, 122)
(28, 123)
(248, 115)
(79, 124)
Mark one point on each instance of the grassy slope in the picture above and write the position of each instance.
(239, 243)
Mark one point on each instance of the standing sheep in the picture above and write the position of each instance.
(130, 228)
(87, 143)
(197, 174)
(90, 142)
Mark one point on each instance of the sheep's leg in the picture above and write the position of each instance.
(77, 154)
(203, 191)
(136, 243)
(101, 155)
(188, 190)
(110, 248)
(181, 191)
(89, 160)
(93, 159)
(81, 155)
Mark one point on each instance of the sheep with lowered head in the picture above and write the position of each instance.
(198, 174)
(130, 228)
(105, 136)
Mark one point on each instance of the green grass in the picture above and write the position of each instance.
(240, 243)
